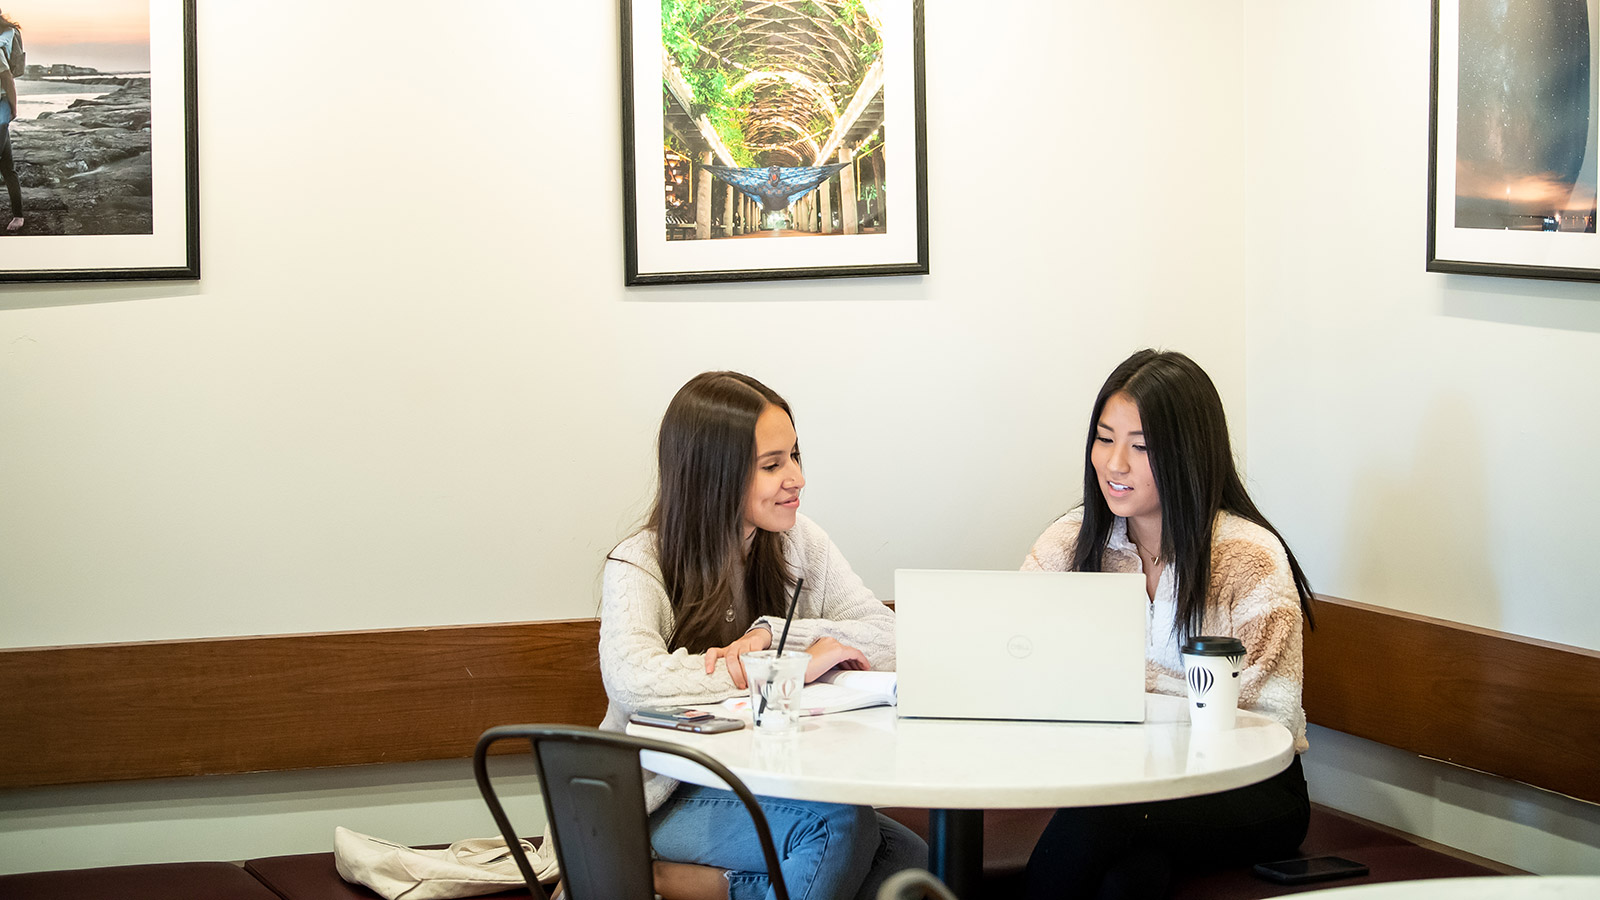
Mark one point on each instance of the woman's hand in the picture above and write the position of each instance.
(828, 654)
(754, 639)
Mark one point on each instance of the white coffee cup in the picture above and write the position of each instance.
(1211, 667)
(775, 683)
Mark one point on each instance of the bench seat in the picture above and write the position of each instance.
(1009, 836)
(1388, 857)
(159, 881)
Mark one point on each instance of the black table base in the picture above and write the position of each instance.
(955, 849)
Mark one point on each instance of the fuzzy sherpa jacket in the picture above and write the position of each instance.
(1252, 597)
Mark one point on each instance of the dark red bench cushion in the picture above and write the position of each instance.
(1008, 839)
(161, 881)
(1387, 856)
(1009, 836)
(1385, 862)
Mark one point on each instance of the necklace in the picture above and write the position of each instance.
(1154, 558)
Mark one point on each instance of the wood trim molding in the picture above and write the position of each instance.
(1511, 706)
(112, 712)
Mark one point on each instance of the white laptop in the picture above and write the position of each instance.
(1050, 646)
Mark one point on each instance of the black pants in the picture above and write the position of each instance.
(8, 170)
(1130, 851)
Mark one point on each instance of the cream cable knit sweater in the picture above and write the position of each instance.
(636, 621)
(1252, 598)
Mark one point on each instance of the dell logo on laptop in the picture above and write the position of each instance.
(1019, 647)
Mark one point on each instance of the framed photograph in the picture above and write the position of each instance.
(99, 157)
(1512, 141)
(773, 139)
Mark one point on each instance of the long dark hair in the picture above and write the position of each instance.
(1186, 433)
(7, 23)
(706, 454)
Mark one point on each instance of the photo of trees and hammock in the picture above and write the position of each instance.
(776, 123)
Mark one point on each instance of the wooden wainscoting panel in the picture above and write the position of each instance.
(1512, 706)
(111, 712)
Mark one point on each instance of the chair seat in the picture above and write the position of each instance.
(159, 881)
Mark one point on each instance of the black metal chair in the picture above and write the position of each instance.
(593, 792)
(914, 884)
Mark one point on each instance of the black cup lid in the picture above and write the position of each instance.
(1212, 645)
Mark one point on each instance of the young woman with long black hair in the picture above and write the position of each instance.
(708, 578)
(1162, 497)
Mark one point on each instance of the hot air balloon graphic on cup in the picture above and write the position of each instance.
(1211, 667)
(1200, 682)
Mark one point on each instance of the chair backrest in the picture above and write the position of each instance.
(914, 884)
(593, 791)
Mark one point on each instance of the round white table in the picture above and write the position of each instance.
(957, 768)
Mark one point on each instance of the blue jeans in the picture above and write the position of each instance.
(827, 851)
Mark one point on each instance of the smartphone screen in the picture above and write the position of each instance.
(673, 715)
(712, 726)
(1314, 868)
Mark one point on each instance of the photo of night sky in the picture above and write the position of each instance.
(1525, 128)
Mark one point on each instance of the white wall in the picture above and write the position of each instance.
(411, 388)
(1425, 441)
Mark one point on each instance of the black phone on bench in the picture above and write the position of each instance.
(1308, 869)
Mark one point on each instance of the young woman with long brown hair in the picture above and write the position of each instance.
(709, 577)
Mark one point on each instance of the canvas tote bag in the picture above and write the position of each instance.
(464, 869)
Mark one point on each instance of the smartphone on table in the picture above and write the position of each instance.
(685, 718)
(1309, 869)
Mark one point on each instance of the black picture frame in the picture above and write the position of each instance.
(64, 242)
(830, 104)
(1509, 195)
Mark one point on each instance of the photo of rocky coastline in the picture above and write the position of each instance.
(85, 169)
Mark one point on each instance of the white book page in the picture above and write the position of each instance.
(837, 691)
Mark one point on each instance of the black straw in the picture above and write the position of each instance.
(782, 639)
(793, 602)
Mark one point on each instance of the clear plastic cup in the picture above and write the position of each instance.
(775, 683)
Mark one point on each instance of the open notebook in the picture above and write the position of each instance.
(837, 691)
